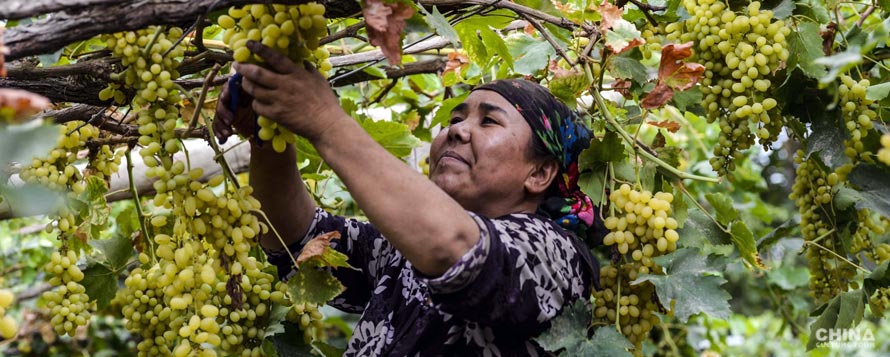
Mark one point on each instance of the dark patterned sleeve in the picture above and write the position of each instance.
(520, 274)
(360, 241)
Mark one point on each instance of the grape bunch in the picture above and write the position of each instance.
(741, 53)
(58, 171)
(858, 112)
(8, 326)
(812, 193)
(293, 30)
(151, 61)
(68, 303)
(640, 229)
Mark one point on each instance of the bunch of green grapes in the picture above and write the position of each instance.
(812, 193)
(68, 303)
(8, 326)
(884, 152)
(654, 37)
(858, 112)
(292, 30)
(741, 53)
(150, 74)
(640, 229)
(629, 307)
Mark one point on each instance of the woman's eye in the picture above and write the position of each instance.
(488, 120)
(455, 120)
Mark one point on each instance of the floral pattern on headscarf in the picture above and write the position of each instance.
(564, 136)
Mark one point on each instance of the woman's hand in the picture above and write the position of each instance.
(295, 96)
(242, 120)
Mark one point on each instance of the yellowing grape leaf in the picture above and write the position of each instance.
(320, 248)
(385, 22)
(17, 105)
(620, 34)
(456, 63)
(673, 74)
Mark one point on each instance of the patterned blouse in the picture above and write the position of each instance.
(498, 296)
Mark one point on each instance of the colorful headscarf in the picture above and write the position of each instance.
(564, 136)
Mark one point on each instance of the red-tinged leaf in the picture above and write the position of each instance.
(456, 63)
(610, 14)
(622, 86)
(658, 96)
(676, 73)
(317, 246)
(623, 36)
(671, 126)
(385, 22)
(529, 29)
(20, 104)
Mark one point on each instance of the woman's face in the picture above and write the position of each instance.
(482, 158)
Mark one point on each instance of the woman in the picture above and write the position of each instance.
(457, 264)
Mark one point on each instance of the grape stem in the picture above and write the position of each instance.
(833, 253)
(618, 305)
(199, 105)
(670, 340)
(151, 43)
(138, 202)
(624, 135)
(275, 232)
(701, 208)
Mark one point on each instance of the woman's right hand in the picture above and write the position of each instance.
(242, 121)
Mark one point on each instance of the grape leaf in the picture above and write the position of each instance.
(775, 235)
(443, 113)
(623, 36)
(100, 283)
(438, 22)
(318, 253)
(628, 68)
(839, 63)
(671, 126)
(118, 251)
(568, 334)
(814, 9)
(805, 46)
(385, 22)
(689, 285)
(744, 242)
(529, 54)
(726, 213)
(609, 148)
(285, 343)
(879, 278)
(277, 320)
(394, 137)
(20, 143)
(827, 141)
(591, 183)
(784, 9)
(673, 74)
(567, 329)
(313, 285)
(567, 85)
(326, 350)
(873, 186)
(789, 277)
(843, 311)
(877, 92)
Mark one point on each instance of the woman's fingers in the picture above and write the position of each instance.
(261, 93)
(277, 61)
(222, 126)
(258, 75)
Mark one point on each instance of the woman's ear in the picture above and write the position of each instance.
(541, 176)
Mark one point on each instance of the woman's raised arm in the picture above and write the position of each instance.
(420, 220)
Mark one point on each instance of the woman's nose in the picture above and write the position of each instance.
(459, 131)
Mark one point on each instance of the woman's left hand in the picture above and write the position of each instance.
(295, 96)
